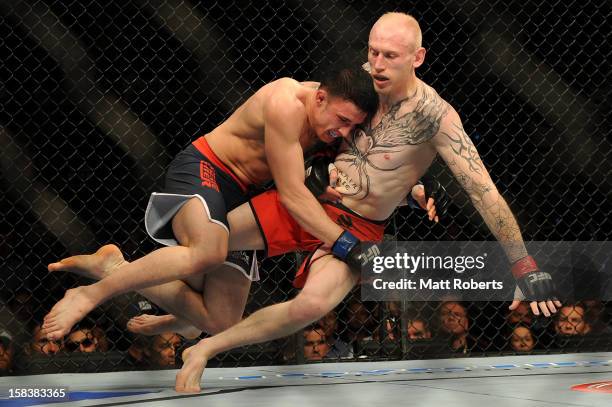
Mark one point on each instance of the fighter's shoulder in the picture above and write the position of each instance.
(438, 105)
(430, 96)
(283, 95)
(448, 118)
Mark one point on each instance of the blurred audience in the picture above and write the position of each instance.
(596, 316)
(7, 352)
(101, 337)
(337, 347)
(393, 320)
(455, 324)
(361, 321)
(522, 339)
(163, 349)
(418, 329)
(315, 344)
(82, 339)
(40, 345)
(359, 332)
(521, 315)
(571, 321)
(157, 351)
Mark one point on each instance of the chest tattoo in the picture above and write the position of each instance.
(395, 131)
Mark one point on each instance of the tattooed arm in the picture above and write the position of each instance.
(456, 148)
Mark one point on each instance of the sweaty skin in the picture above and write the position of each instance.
(377, 168)
(264, 138)
(239, 141)
(380, 164)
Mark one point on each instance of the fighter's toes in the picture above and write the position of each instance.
(49, 326)
(55, 334)
(180, 386)
(189, 377)
(49, 320)
(186, 384)
(55, 266)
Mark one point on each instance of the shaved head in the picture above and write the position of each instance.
(394, 53)
(401, 28)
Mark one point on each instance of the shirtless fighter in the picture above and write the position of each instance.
(264, 138)
(377, 168)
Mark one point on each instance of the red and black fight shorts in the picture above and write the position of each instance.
(197, 172)
(282, 234)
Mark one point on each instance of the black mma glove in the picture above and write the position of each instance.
(435, 190)
(317, 175)
(353, 252)
(536, 285)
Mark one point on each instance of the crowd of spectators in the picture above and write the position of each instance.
(354, 330)
(451, 327)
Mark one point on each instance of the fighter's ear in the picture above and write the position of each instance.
(419, 57)
(321, 96)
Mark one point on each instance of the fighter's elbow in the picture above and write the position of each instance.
(291, 197)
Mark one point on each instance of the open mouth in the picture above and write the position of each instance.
(334, 134)
(379, 79)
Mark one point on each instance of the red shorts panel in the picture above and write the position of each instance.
(282, 234)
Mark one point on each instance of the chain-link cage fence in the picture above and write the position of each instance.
(99, 96)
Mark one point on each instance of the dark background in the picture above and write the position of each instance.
(98, 96)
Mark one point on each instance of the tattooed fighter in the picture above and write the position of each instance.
(377, 168)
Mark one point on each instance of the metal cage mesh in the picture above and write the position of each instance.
(97, 97)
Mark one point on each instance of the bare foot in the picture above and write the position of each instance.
(96, 266)
(71, 309)
(149, 325)
(194, 362)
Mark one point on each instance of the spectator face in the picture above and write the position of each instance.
(163, 349)
(6, 353)
(42, 345)
(417, 329)
(82, 340)
(453, 317)
(521, 315)
(571, 321)
(315, 345)
(522, 339)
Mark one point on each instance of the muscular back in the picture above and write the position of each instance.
(382, 162)
(239, 141)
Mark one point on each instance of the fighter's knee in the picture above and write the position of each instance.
(203, 257)
(309, 308)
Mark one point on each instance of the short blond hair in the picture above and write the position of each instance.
(411, 23)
